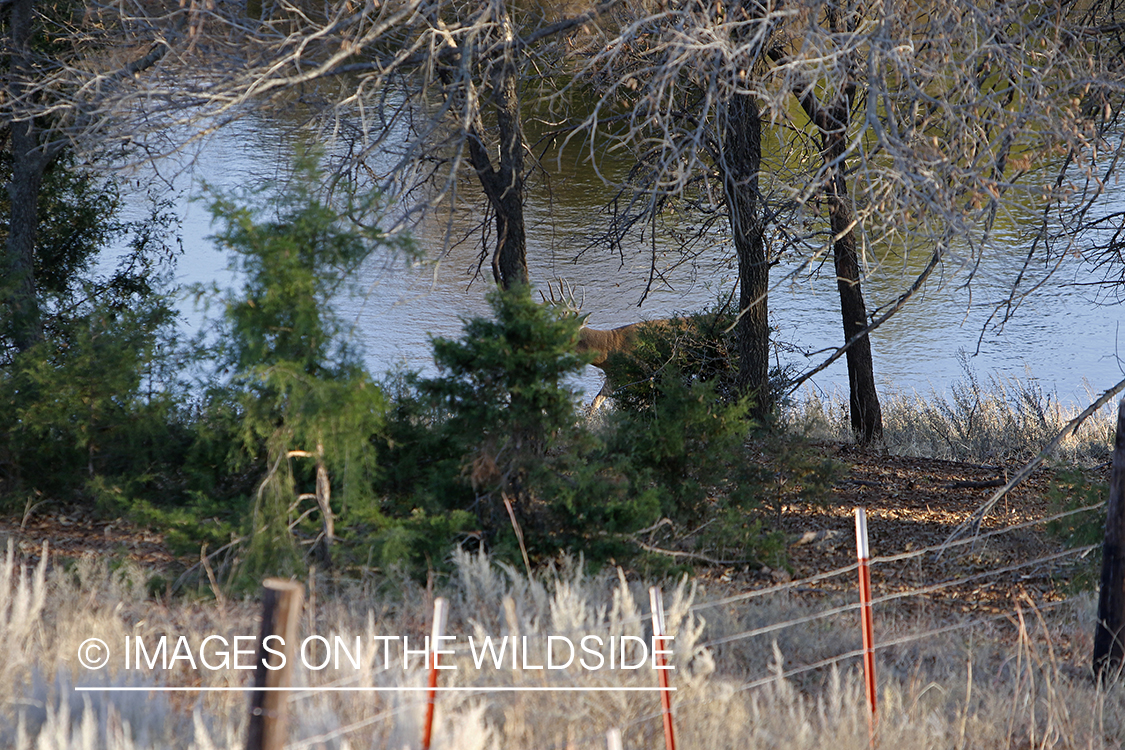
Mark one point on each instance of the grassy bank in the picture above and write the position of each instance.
(999, 421)
(997, 683)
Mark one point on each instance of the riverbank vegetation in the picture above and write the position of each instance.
(996, 422)
(284, 452)
(265, 447)
(822, 130)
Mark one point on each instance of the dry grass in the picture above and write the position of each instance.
(1001, 683)
(1006, 420)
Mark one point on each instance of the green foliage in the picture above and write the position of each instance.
(714, 471)
(196, 518)
(77, 211)
(498, 422)
(98, 413)
(418, 541)
(696, 348)
(97, 402)
(79, 217)
(1072, 489)
(500, 383)
(700, 347)
(88, 405)
(422, 455)
(297, 383)
(686, 438)
(588, 497)
(498, 406)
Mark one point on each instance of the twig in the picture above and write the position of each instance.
(662, 522)
(519, 533)
(224, 548)
(219, 599)
(28, 509)
(689, 555)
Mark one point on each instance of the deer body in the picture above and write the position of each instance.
(604, 343)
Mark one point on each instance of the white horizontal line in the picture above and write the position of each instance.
(329, 689)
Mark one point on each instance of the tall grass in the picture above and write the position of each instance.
(1005, 420)
(998, 685)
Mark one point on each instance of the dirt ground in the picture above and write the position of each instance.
(911, 504)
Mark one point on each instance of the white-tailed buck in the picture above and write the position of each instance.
(602, 343)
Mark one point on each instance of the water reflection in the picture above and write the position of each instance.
(1060, 335)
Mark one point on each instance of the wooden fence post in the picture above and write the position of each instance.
(281, 608)
(1108, 647)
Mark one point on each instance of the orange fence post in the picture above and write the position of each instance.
(656, 600)
(867, 622)
(440, 614)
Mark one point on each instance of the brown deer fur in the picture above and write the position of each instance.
(605, 343)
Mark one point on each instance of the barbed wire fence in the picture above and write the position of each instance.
(773, 671)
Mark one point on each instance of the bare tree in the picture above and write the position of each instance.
(920, 128)
(428, 91)
(682, 79)
(425, 92)
(59, 81)
(832, 120)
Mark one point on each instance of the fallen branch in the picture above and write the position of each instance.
(974, 521)
(966, 485)
(690, 555)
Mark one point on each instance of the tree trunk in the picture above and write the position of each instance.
(28, 164)
(866, 414)
(1109, 649)
(509, 264)
(740, 163)
(504, 185)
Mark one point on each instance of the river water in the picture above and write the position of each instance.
(1063, 337)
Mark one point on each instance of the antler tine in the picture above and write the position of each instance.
(564, 297)
(548, 300)
(571, 300)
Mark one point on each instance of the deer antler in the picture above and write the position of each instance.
(563, 297)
